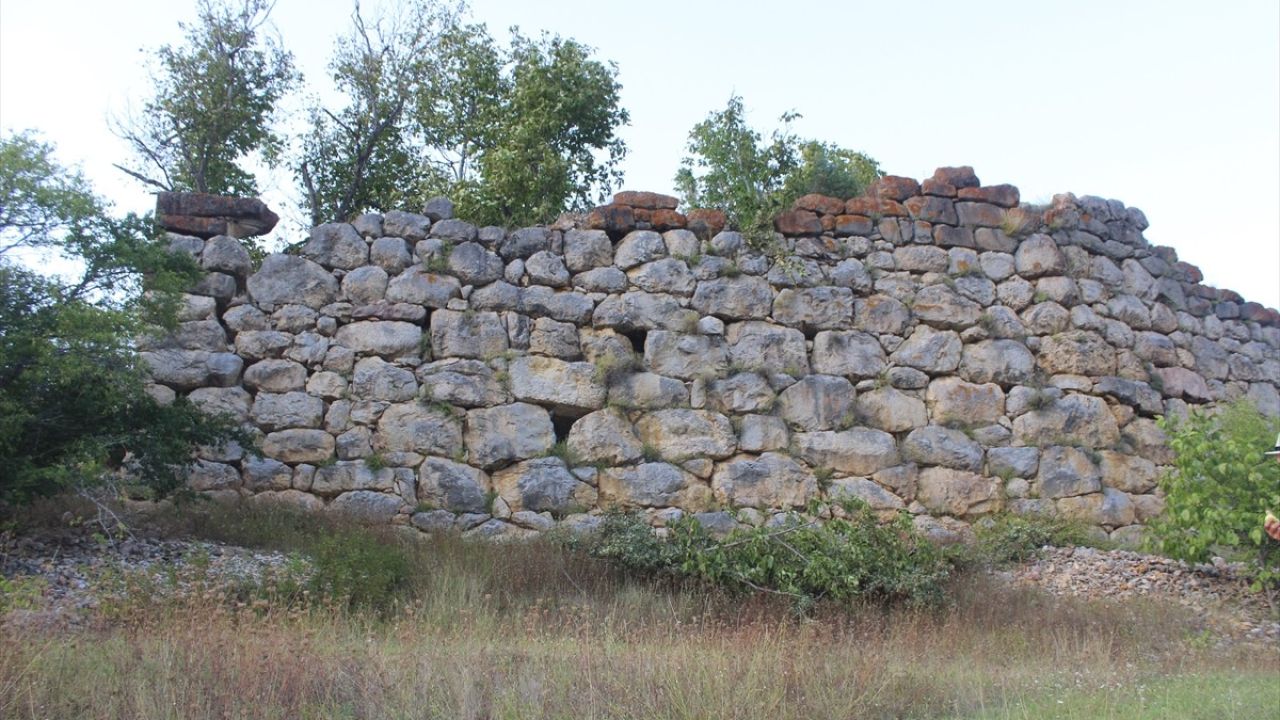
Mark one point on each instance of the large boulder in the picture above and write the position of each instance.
(954, 401)
(415, 427)
(818, 402)
(1077, 419)
(605, 436)
(678, 434)
(452, 486)
(857, 451)
(1065, 472)
(550, 381)
(932, 351)
(746, 297)
(852, 354)
(764, 347)
(685, 356)
(285, 279)
(388, 338)
(947, 491)
(654, 484)
(500, 435)
(770, 480)
(543, 485)
(937, 445)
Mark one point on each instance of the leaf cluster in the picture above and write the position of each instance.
(1219, 489)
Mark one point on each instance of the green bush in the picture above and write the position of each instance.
(838, 560)
(1219, 489)
(359, 569)
(1008, 539)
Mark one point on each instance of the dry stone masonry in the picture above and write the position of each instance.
(932, 347)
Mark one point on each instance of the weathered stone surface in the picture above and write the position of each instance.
(472, 264)
(640, 310)
(1109, 508)
(818, 402)
(1135, 393)
(770, 480)
(226, 254)
(376, 379)
(814, 308)
(298, 446)
(957, 492)
(389, 339)
(1181, 382)
(890, 410)
(665, 275)
(275, 376)
(1077, 352)
(881, 314)
(798, 222)
(415, 427)
(262, 473)
(554, 382)
(1129, 473)
(941, 306)
(856, 488)
(937, 445)
(930, 350)
(416, 286)
(465, 383)
(452, 486)
(548, 269)
(561, 305)
(1004, 362)
(851, 354)
(746, 297)
(654, 484)
(932, 209)
(1067, 471)
(679, 434)
(954, 401)
(410, 226)
(762, 346)
(587, 249)
(337, 245)
(345, 476)
(231, 401)
(457, 231)
(685, 356)
(278, 411)
(206, 476)
(640, 246)
(1078, 419)
(189, 369)
(365, 285)
(289, 279)
(760, 433)
(921, 258)
(603, 280)
(205, 215)
(1039, 255)
(857, 451)
(605, 436)
(647, 391)
(1014, 461)
(480, 335)
(391, 254)
(543, 485)
(367, 505)
(740, 393)
(500, 435)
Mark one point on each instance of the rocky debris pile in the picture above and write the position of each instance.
(206, 216)
(56, 579)
(936, 347)
(1218, 592)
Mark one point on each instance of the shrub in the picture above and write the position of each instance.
(1219, 489)
(1008, 539)
(359, 569)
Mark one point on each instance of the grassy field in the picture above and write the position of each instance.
(535, 630)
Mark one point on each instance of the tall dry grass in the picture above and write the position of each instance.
(537, 631)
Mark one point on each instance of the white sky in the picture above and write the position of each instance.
(1169, 106)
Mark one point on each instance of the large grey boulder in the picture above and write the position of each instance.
(954, 401)
(1013, 461)
(771, 480)
(940, 306)
(890, 410)
(367, 506)
(500, 435)
(480, 335)
(639, 246)
(654, 484)
(347, 475)
(740, 394)
(409, 226)
(587, 249)
(821, 308)
(284, 279)
(959, 493)
(882, 314)
(1109, 508)
(1067, 471)
(465, 383)
(1129, 473)
(685, 356)
(298, 446)
(1039, 255)
(337, 245)
(745, 297)
(647, 391)
(226, 254)
(551, 381)
(679, 434)
(365, 285)
(546, 268)
(416, 286)
(640, 310)
(472, 264)
(376, 379)
(233, 402)
(666, 275)
(605, 436)
(452, 486)
(415, 427)
(764, 347)
(852, 354)
(856, 488)
(279, 411)
(1081, 420)
(543, 485)
(275, 376)
(1004, 362)
(857, 451)
(937, 445)
(929, 350)
(1077, 352)
(388, 338)
(818, 402)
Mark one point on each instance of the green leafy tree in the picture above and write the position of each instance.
(514, 135)
(215, 98)
(730, 166)
(73, 404)
(1219, 490)
(363, 156)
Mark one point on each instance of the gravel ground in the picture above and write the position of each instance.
(65, 574)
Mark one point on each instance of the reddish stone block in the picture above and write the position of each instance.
(642, 215)
(932, 209)
(820, 204)
(1190, 272)
(1006, 196)
(957, 177)
(646, 200)
(828, 222)
(611, 218)
(980, 214)
(874, 207)
(894, 187)
(207, 215)
(705, 223)
(940, 188)
(853, 225)
(1253, 311)
(798, 222)
(665, 219)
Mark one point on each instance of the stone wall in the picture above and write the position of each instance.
(935, 347)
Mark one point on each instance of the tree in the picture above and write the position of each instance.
(73, 404)
(363, 156)
(730, 168)
(213, 105)
(1219, 490)
(513, 135)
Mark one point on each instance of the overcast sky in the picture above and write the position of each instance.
(1169, 106)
